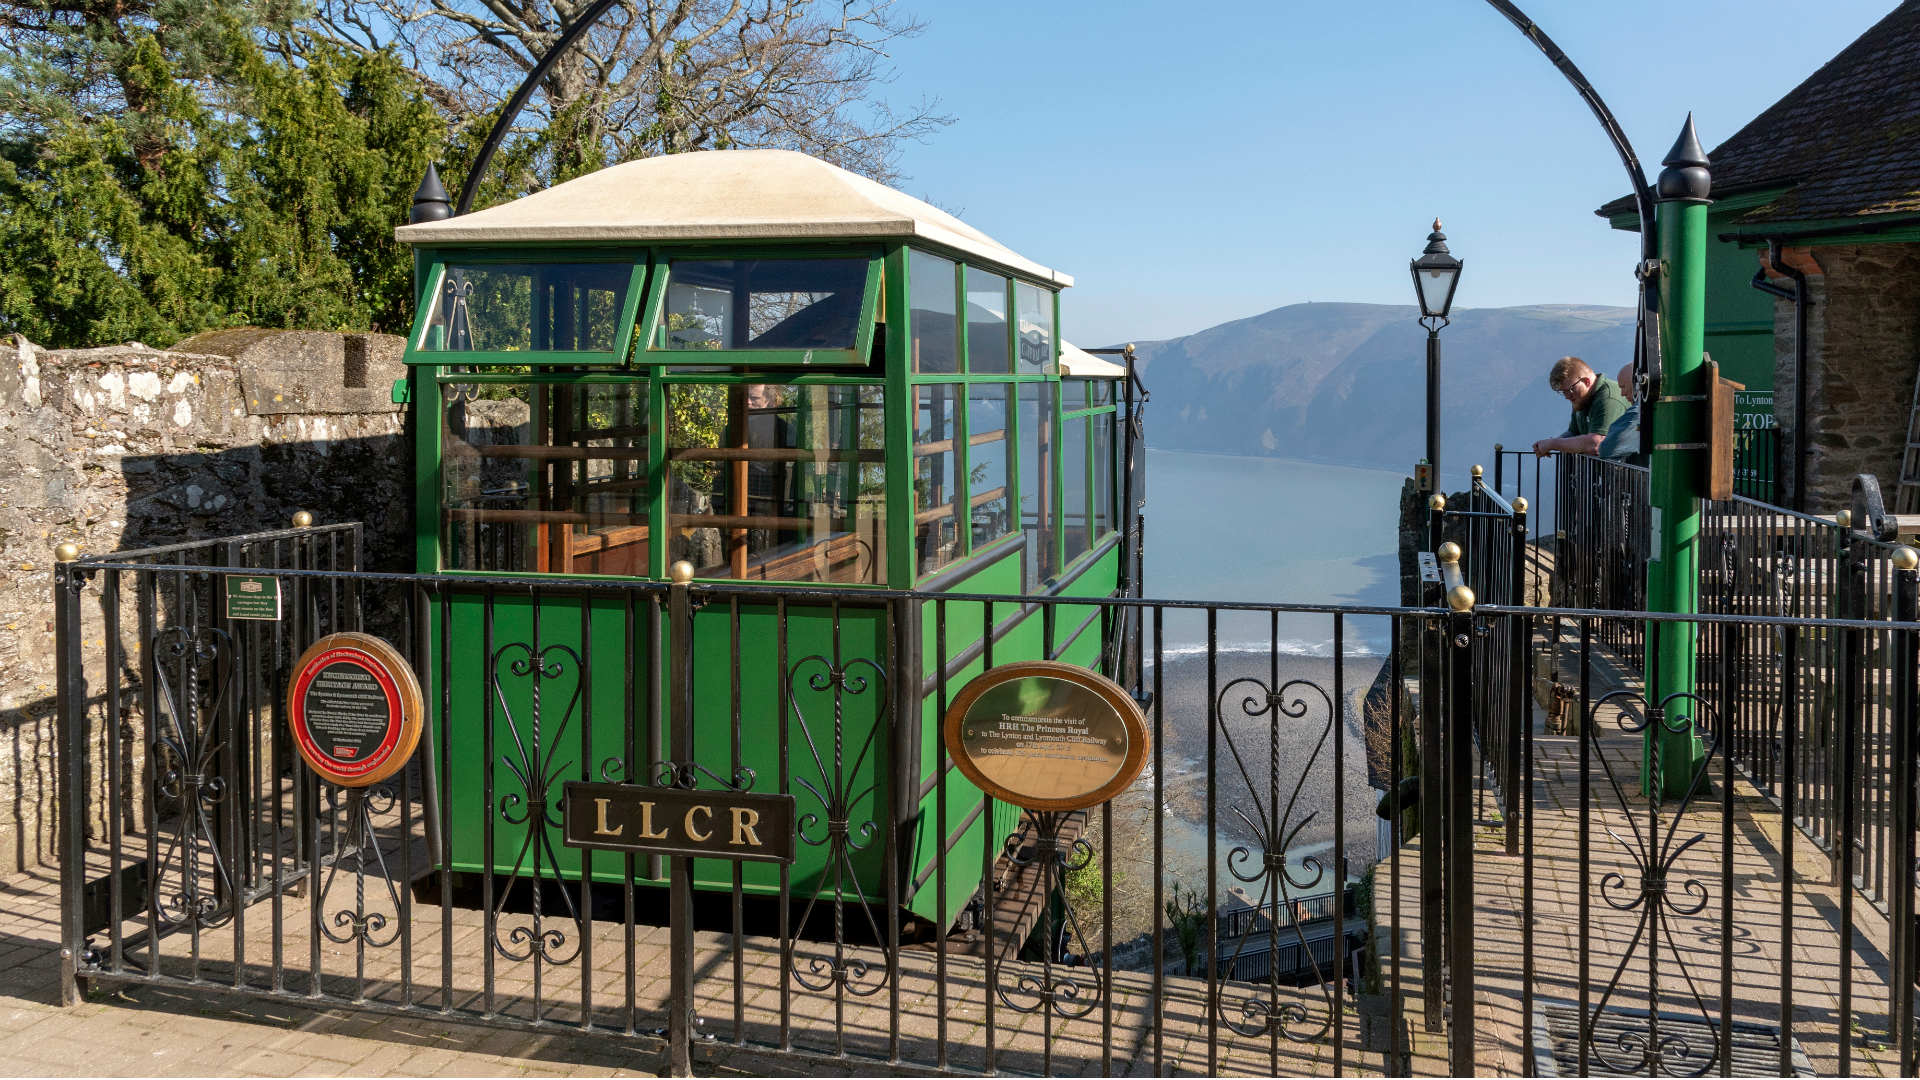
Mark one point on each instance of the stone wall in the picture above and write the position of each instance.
(1863, 351)
(127, 447)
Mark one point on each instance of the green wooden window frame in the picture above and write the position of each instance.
(623, 342)
(654, 313)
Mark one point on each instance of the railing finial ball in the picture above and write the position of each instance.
(302, 519)
(1478, 472)
(67, 551)
(1449, 552)
(1460, 598)
(681, 572)
(1520, 504)
(1906, 558)
(1437, 502)
(1844, 519)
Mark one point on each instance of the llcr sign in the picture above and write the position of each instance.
(677, 821)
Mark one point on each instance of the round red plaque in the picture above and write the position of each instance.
(354, 707)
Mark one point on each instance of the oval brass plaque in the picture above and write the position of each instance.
(354, 707)
(1044, 735)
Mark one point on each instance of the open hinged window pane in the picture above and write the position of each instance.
(528, 312)
(782, 311)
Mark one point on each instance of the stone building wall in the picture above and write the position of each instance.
(128, 447)
(1863, 352)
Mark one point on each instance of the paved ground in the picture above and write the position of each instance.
(171, 1031)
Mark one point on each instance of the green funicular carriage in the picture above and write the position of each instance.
(798, 379)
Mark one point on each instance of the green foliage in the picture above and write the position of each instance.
(166, 173)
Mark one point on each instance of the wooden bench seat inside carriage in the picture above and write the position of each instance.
(782, 374)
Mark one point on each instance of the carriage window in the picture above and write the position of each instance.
(987, 323)
(1103, 473)
(1073, 487)
(936, 342)
(763, 303)
(528, 307)
(1036, 328)
(771, 482)
(988, 504)
(936, 492)
(1038, 517)
(545, 477)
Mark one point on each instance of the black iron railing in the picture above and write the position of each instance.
(1625, 934)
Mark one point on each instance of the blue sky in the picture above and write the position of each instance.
(1200, 162)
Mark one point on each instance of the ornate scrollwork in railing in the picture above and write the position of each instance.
(536, 805)
(193, 885)
(1655, 854)
(1060, 981)
(1270, 868)
(840, 785)
(360, 847)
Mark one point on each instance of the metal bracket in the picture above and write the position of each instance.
(1681, 446)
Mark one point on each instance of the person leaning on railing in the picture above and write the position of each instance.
(1598, 407)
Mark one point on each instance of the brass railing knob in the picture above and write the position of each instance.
(69, 551)
(1478, 472)
(1449, 552)
(681, 572)
(1437, 502)
(1520, 504)
(1905, 558)
(302, 520)
(1460, 598)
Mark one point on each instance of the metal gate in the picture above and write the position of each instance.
(1243, 909)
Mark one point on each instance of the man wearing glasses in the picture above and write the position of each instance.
(1597, 404)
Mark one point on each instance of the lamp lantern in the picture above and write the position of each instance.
(1436, 273)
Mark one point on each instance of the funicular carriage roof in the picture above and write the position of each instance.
(728, 195)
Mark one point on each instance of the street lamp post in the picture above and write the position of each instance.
(1436, 273)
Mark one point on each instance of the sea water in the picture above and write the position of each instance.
(1262, 531)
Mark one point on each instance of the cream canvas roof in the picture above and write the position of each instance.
(1077, 361)
(721, 195)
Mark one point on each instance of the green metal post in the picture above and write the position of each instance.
(1679, 452)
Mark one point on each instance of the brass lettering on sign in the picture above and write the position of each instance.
(678, 821)
(743, 822)
(601, 828)
(692, 831)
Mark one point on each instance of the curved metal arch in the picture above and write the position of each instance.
(1646, 343)
(1642, 193)
(519, 100)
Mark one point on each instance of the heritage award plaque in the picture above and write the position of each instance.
(1044, 735)
(354, 707)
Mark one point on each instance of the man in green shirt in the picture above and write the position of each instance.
(1597, 403)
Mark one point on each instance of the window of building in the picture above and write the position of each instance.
(528, 308)
(987, 348)
(936, 334)
(1039, 518)
(772, 482)
(937, 493)
(989, 449)
(716, 304)
(545, 477)
(1075, 502)
(1035, 328)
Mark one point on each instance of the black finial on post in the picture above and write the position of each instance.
(430, 200)
(1685, 178)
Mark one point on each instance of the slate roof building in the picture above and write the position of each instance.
(1815, 270)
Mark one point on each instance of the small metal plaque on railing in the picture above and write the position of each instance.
(252, 596)
(679, 821)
